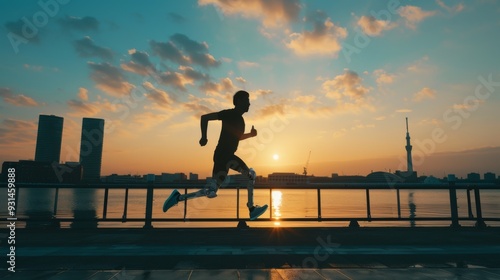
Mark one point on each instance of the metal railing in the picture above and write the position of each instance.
(148, 219)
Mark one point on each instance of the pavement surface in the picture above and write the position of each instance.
(254, 253)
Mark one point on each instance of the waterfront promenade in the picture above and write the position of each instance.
(257, 253)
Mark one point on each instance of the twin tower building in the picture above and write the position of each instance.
(49, 139)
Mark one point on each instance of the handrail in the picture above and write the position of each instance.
(151, 187)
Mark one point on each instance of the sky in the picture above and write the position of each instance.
(330, 82)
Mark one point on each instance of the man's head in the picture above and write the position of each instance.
(241, 101)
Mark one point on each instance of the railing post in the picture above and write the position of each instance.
(368, 209)
(149, 206)
(271, 203)
(453, 202)
(125, 207)
(238, 202)
(185, 203)
(105, 207)
(56, 198)
(319, 205)
(469, 204)
(399, 203)
(479, 223)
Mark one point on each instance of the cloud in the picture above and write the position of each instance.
(168, 51)
(184, 76)
(273, 13)
(83, 94)
(347, 85)
(221, 89)
(305, 99)
(425, 93)
(109, 79)
(374, 27)
(23, 30)
(20, 100)
(82, 107)
(241, 80)
(184, 51)
(36, 68)
(139, 63)
(413, 15)
(404, 111)
(262, 92)
(272, 109)
(197, 52)
(324, 39)
(174, 17)
(247, 64)
(158, 96)
(451, 9)
(79, 24)
(201, 106)
(15, 132)
(86, 48)
(383, 78)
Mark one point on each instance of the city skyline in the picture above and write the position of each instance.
(336, 79)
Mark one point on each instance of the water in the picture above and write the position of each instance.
(88, 204)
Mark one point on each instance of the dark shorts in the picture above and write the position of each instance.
(223, 162)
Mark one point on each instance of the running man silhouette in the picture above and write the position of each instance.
(233, 128)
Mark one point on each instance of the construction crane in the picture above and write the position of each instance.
(307, 164)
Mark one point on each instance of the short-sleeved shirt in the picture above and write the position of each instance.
(233, 127)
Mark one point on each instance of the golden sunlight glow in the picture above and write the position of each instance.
(277, 199)
(276, 156)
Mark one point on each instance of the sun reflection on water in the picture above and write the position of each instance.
(277, 200)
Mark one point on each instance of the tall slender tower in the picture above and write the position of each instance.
(408, 149)
(48, 139)
(91, 148)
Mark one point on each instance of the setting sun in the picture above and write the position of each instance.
(276, 157)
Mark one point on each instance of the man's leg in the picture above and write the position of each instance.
(219, 174)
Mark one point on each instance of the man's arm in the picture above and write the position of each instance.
(252, 133)
(204, 125)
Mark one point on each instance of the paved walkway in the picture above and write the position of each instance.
(261, 274)
(256, 253)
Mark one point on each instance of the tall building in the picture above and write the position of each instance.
(91, 148)
(408, 150)
(49, 138)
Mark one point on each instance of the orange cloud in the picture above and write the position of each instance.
(20, 100)
(110, 79)
(425, 93)
(413, 15)
(158, 96)
(324, 39)
(383, 78)
(83, 94)
(374, 27)
(14, 132)
(273, 13)
(451, 9)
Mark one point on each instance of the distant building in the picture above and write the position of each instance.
(91, 144)
(407, 176)
(193, 177)
(284, 178)
(348, 178)
(49, 138)
(473, 177)
(173, 178)
(489, 177)
(432, 180)
(126, 179)
(28, 171)
(383, 177)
